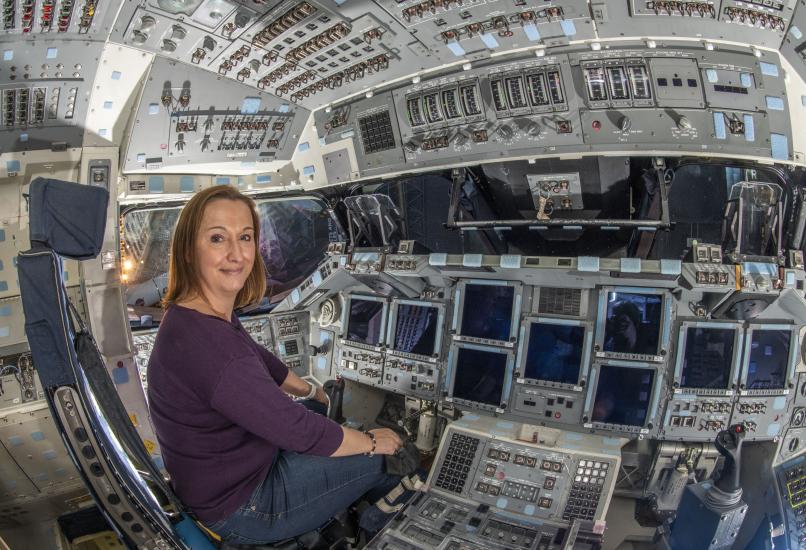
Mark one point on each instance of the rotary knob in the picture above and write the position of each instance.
(684, 123)
(505, 132)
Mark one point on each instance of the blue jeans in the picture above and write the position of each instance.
(301, 493)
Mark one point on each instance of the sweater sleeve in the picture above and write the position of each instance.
(277, 368)
(248, 395)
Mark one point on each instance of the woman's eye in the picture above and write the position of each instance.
(217, 238)
(246, 237)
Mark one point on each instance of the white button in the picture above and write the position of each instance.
(578, 478)
(597, 465)
(588, 472)
(586, 479)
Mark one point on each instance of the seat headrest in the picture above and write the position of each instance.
(68, 217)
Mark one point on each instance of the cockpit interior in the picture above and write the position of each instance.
(557, 246)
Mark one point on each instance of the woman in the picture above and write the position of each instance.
(251, 463)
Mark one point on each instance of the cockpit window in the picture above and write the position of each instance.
(294, 234)
(607, 191)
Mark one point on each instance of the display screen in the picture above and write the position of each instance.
(554, 353)
(365, 324)
(633, 323)
(479, 376)
(623, 395)
(769, 358)
(488, 311)
(416, 329)
(708, 358)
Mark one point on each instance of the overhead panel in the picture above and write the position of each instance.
(190, 116)
(303, 51)
(619, 99)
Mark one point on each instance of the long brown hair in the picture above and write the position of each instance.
(183, 275)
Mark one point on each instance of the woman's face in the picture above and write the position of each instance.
(225, 249)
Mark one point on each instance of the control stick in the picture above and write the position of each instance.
(729, 444)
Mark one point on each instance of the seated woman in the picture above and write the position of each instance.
(252, 464)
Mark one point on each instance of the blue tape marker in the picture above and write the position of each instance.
(749, 128)
(569, 29)
(489, 40)
(720, 132)
(250, 105)
(120, 376)
(775, 103)
(186, 184)
(456, 49)
(780, 146)
(531, 32)
(746, 79)
(768, 69)
(156, 184)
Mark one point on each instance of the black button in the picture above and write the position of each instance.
(126, 516)
(81, 434)
(136, 527)
(482, 508)
(475, 522)
(88, 452)
(96, 469)
(113, 498)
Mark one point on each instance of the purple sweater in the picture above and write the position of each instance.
(219, 413)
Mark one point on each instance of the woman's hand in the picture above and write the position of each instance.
(387, 442)
(322, 397)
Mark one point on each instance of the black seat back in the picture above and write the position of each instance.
(68, 219)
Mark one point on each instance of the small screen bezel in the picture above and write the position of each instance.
(654, 400)
(450, 377)
(665, 324)
(794, 348)
(523, 350)
(459, 308)
(392, 329)
(345, 319)
(738, 348)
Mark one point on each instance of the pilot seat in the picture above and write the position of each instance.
(68, 220)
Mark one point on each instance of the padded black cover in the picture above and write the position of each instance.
(68, 217)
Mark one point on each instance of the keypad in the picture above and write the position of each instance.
(586, 490)
(456, 465)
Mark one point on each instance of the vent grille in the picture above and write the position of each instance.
(560, 301)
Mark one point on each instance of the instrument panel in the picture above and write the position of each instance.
(612, 354)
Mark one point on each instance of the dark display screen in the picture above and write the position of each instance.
(554, 353)
(416, 329)
(479, 376)
(622, 396)
(769, 358)
(488, 311)
(365, 324)
(633, 323)
(708, 358)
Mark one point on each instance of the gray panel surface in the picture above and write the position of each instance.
(206, 129)
(44, 92)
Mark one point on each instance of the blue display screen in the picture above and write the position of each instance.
(708, 358)
(416, 329)
(623, 395)
(769, 358)
(479, 376)
(365, 323)
(633, 323)
(488, 311)
(554, 353)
